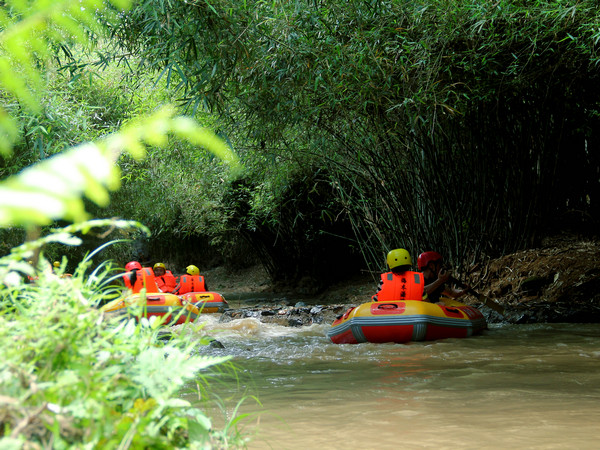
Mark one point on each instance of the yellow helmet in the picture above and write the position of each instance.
(398, 257)
(56, 264)
(161, 265)
(192, 270)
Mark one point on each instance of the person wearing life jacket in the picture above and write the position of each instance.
(137, 277)
(192, 281)
(31, 279)
(401, 283)
(56, 267)
(431, 264)
(130, 267)
(165, 280)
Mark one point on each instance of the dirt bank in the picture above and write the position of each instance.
(558, 282)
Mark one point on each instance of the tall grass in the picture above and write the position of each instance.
(73, 377)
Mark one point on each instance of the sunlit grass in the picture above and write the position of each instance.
(74, 377)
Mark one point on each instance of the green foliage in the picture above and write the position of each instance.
(52, 189)
(72, 376)
(65, 120)
(176, 189)
(432, 118)
(28, 32)
(15, 261)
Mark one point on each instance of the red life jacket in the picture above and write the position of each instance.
(401, 286)
(189, 283)
(166, 282)
(144, 278)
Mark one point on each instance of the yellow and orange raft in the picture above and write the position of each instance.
(406, 321)
(175, 310)
(206, 302)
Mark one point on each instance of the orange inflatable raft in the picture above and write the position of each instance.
(406, 321)
(206, 302)
(175, 310)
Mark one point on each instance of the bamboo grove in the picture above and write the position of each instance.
(469, 127)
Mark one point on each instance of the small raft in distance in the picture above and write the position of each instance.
(206, 302)
(173, 308)
(406, 321)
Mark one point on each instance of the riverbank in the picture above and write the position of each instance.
(557, 282)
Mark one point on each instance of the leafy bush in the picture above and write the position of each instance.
(72, 376)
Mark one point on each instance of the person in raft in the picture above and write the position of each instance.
(31, 279)
(56, 268)
(431, 264)
(192, 281)
(137, 277)
(165, 280)
(401, 283)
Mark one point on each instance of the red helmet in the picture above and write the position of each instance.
(132, 265)
(426, 257)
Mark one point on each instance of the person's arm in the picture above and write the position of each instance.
(443, 277)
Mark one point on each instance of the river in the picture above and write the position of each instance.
(514, 386)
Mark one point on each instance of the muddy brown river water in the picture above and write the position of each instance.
(514, 386)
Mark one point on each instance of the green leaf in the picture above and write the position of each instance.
(198, 429)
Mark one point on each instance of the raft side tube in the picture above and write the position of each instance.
(406, 321)
(206, 302)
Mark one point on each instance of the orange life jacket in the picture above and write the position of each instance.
(144, 278)
(166, 282)
(401, 286)
(189, 283)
